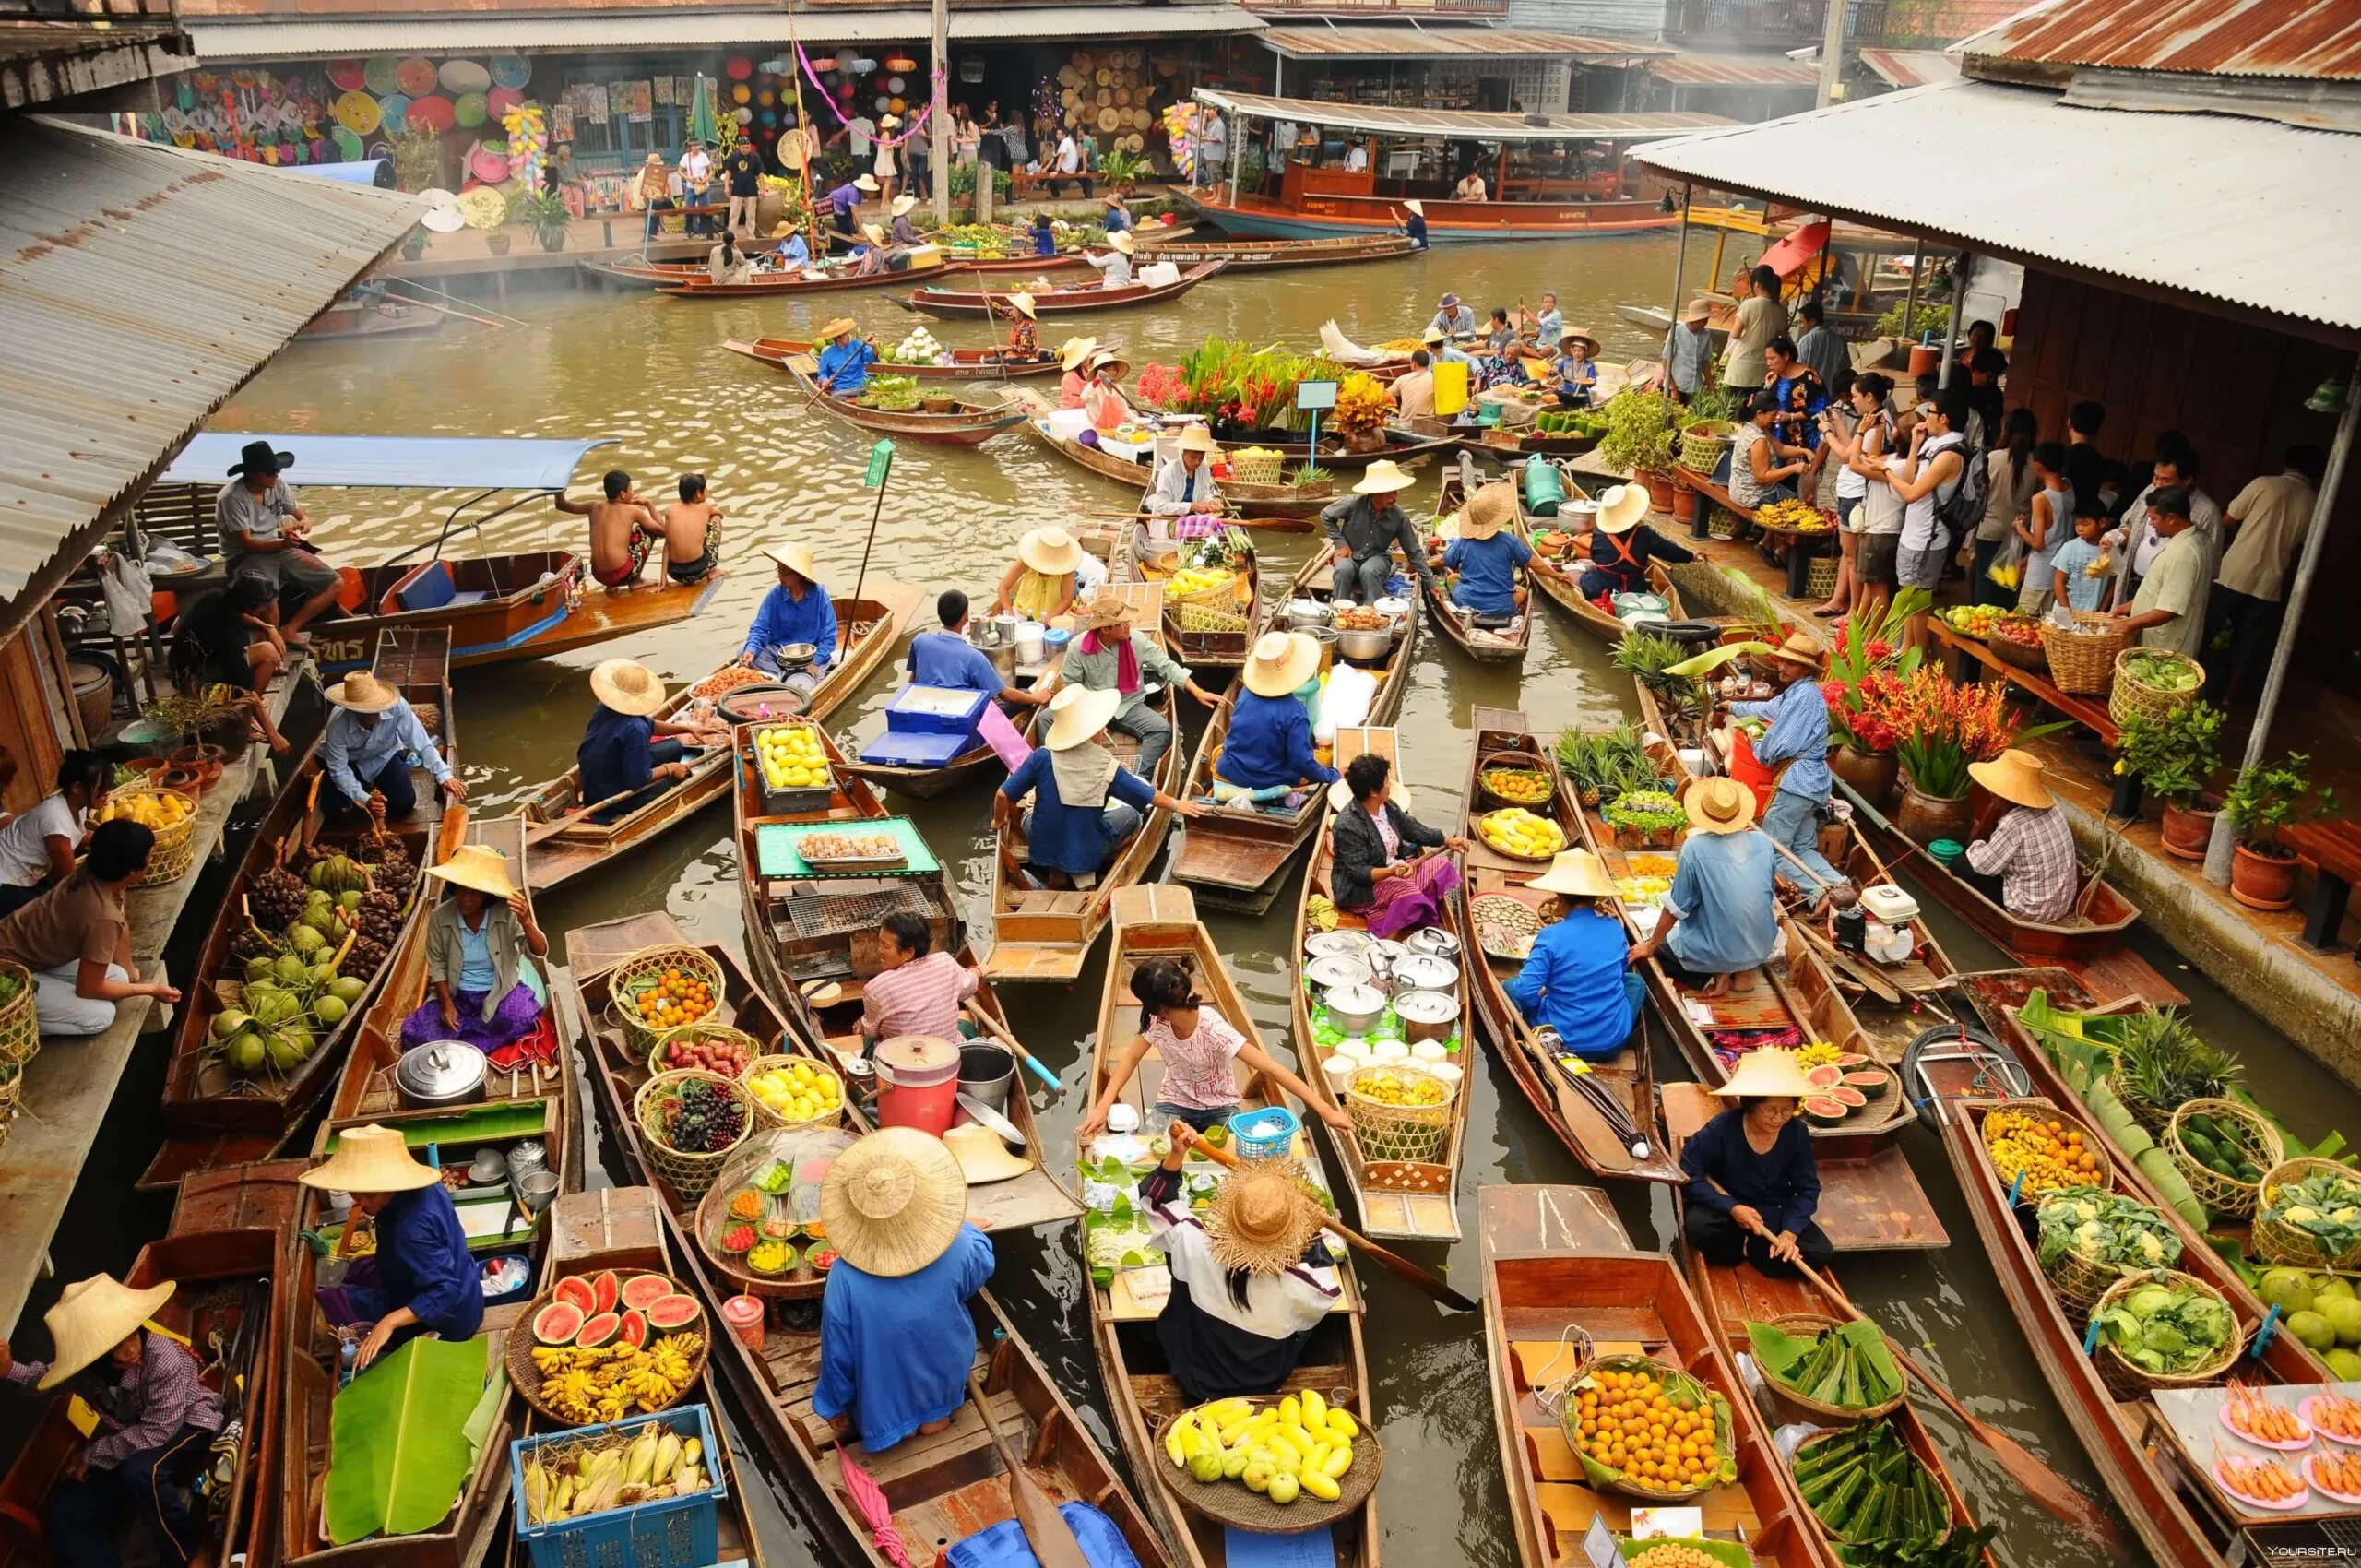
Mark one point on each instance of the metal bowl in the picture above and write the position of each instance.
(1338, 969)
(1354, 1009)
(1366, 645)
(1304, 615)
(1426, 1015)
(796, 656)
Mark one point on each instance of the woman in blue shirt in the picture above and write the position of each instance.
(1267, 753)
(620, 753)
(1578, 978)
(1085, 803)
(844, 363)
(1753, 1183)
(1485, 557)
(476, 943)
(795, 614)
(421, 1277)
(1045, 236)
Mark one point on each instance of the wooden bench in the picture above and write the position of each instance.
(1802, 545)
(2333, 851)
(2088, 711)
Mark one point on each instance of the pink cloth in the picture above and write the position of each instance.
(1127, 660)
(1408, 903)
(1197, 1073)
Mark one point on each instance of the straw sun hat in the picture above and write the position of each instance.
(1121, 241)
(627, 686)
(2015, 776)
(1574, 874)
(1022, 302)
(1382, 477)
(839, 328)
(866, 183)
(1719, 805)
(1700, 309)
(1622, 507)
(1261, 1219)
(1105, 608)
(1770, 1072)
(1281, 661)
(370, 1159)
(1492, 509)
(982, 1157)
(92, 1316)
(894, 1202)
(1075, 350)
(477, 866)
(904, 204)
(1197, 438)
(1800, 650)
(1077, 714)
(1581, 334)
(1050, 552)
(362, 693)
(796, 557)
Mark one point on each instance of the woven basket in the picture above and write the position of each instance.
(175, 850)
(1821, 581)
(2034, 659)
(1204, 621)
(697, 1034)
(2217, 1192)
(1949, 1520)
(2152, 1118)
(2130, 698)
(1702, 444)
(2082, 659)
(12, 1095)
(526, 1376)
(1223, 595)
(649, 964)
(2129, 1379)
(2282, 1243)
(1413, 1135)
(1232, 1504)
(771, 1120)
(1802, 1407)
(1723, 523)
(1259, 467)
(2094, 1144)
(690, 1174)
(1724, 1435)
(19, 1026)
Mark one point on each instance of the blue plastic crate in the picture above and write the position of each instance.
(914, 748)
(678, 1532)
(938, 710)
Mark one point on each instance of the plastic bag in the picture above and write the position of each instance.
(2008, 562)
(130, 593)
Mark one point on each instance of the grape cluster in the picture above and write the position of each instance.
(702, 1118)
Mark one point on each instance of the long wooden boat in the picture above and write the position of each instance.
(1482, 645)
(1399, 446)
(1045, 933)
(1416, 1199)
(566, 843)
(941, 1488)
(1564, 591)
(967, 364)
(1285, 508)
(1542, 1302)
(1307, 214)
(227, 1249)
(1279, 255)
(2157, 1482)
(349, 319)
(952, 301)
(1236, 856)
(1211, 650)
(212, 1118)
(978, 761)
(700, 285)
(1159, 921)
(1556, 1086)
(968, 423)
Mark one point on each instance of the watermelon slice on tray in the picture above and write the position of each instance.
(1850, 1098)
(1823, 1109)
(557, 1324)
(1824, 1077)
(1852, 1059)
(1870, 1083)
(642, 1290)
(575, 1292)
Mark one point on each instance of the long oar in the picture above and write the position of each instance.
(1045, 1530)
(1394, 1263)
(2043, 1484)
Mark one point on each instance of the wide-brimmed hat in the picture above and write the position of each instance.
(1105, 608)
(256, 457)
(362, 693)
(1800, 649)
(866, 182)
(91, 1317)
(1382, 478)
(796, 557)
(889, 122)
(1022, 302)
(478, 866)
(1435, 335)
(656, 158)
(836, 327)
(1075, 350)
(370, 1159)
(627, 686)
(1418, 207)
(1771, 1073)
(1699, 309)
(1104, 357)
(982, 1157)
(1622, 508)
(1050, 552)
(1197, 438)
(1719, 805)
(873, 233)
(1261, 1219)
(904, 204)
(1492, 509)
(1574, 874)
(1281, 661)
(1450, 300)
(1112, 198)
(1581, 335)
(2016, 777)
(894, 1202)
(1077, 714)
(1121, 241)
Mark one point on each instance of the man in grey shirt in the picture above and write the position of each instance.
(1365, 528)
(1095, 660)
(1819, 347)
(1689, 349)
(263, 530)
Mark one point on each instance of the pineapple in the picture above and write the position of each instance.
(2163, 1064)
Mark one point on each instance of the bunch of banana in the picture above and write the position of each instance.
(566, 1480)
(1281, 1451)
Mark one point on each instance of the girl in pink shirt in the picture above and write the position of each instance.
(1197, 1048)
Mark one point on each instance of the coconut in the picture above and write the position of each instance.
(288, 1046)
(305, 940)
(348, 988)
(349, 900)
(261, 969)
(2345, 1364)
(330, 1010)
(230, 1022)
(2343, 1314)
(294, 970)
(246, 1054)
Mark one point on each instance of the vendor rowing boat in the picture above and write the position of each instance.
(1289, 508)
(1570, 553)
(1277, 256)
(964, 423)
(1468, 596)
(965, 364)
(952, 302)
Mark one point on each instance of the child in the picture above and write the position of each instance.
(1196, 1046)
(1574, 376)
(1045, 238)
(2080, 572)
(2045, 525)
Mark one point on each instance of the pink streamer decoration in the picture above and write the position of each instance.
(829, 102)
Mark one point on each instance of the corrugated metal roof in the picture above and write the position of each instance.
(1910, 67)
(394, 462)
(1690, 68)
(445, 33)
(2075, 186)
(1435, 42)
(1465, 124)
(139, 286)
(2312, 39)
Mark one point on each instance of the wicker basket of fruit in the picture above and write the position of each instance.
(2029, 1137)
(659, 989)
(793, 1092)
(1520, 835)
(1519, 786)
(2016, 639)
(2223, 1150)
(171, 816)
(1256, 465)
(1654, 1460)
(689, 1122)
(714, 1047)
(1399, 1113)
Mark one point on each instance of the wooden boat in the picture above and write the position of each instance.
(1564, 590)
(1557, 1088)
(1509, 443)
(952, 302)
(1287, 508)
(227, 1249)
(211, 1118)
(967, 364)
(1045, 933)
(349, 319)
(978, 761)
(1417, 1199)
(1399, 446)
(943, 1487)
(1482, 646)
(1278, 256)
(565, 843)
(634, 273)
(2155, 1478)
(1237, 856)
(966, 423)
(1308, 207)
(1159, 921)
(774, 285)
(1211, 650)
(1542, 1302)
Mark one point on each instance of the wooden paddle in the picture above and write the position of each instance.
(2043, 1484)
(1045, 1530)
(1392, 1263)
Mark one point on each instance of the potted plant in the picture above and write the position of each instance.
(1358, 417)
(1858, 664)
(1120, 169)
(418, 159)
(414, 243)
(2174, 756)
(547, 214)
(1639, 437)
(2265, 799)
(1939, 728)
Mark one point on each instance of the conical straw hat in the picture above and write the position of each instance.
(1771, 1073)
(94, 1315)
(478, 866)
(894, 1202)
(370, 1159)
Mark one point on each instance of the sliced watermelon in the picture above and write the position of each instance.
(575, 1292)
(1852, 1059)
(1869, 1083)
(1825, 1077)
(557, 1324)
(598, 1330)
(608, 1289)
(641, 1289)
(634, 1329)
(672, 1312)
(1851, 1096)
(1825, 1110)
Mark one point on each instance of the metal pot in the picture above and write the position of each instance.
(1323, 944)
(1424, 971)
(1337, 970)
(1354, 1009)
(1393, 606)
(443, 1072)
(1383, 955)
(1426, 1015)
(1303, 615)
(1435, 940)
(796, 656)
(1365, 644)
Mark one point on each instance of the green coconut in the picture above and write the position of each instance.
(2313, 1330)
(292, 969)
(304, 939)
(261, 969)
(349, 900)
(2345, 1364)
(230, 1022)
(288, 1045)
(246, 1053)
(329, 1010)
(347, 988)
(2328, 1285)
(2343, 1314)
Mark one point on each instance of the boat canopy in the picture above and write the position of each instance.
(1460, 124)
(392, 463)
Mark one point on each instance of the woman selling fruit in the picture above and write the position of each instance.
(76, 939)
(794, 614)
(475, 965)
(1373, 877)
(1578, 978)
(1752, 1180)
(419, 1278)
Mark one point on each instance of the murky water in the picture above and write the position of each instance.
(650, 373)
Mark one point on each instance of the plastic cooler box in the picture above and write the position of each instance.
(676, 1532)
(926, 727)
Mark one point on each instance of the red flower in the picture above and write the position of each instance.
(1880, 650)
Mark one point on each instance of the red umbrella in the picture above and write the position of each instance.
(1800, 244)
(875, 1512)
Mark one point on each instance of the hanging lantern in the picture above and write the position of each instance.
(900, 106)
(893, 84)
(900, 62)
(885, 104)
(825, 63)
(862, 67)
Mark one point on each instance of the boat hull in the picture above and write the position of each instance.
(1500, 221)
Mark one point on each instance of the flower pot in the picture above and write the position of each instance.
(1923, 818)
(553, 239)
(1659, 486)
(1924, 360)
(1684, 504)
(1871, 773)
(2187, 830)
(2262, 881)
(496, 243)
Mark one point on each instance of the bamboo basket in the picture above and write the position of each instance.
(2127, 1379)
(1821, 581)
(2094, 1144)
(2032, 659)
(1702, 444)
(2282, 1243)
(2130, 698)
(1223, 595)
(1411, 1135)
(20, 1024)
(1725, 1437)
(647, 965)
(1255, 468)
(2152, 1118)
(690, 1174)
(1805, 1408)
(1723, 522)
(2082, 660)
(696, 1033)
(2078, 1282)
(771, 1120)
(175, 851)
(2215, 1190)
(12, 1095)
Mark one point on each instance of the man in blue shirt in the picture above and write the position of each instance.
(843, 204)
(366, 747)
(794, 254)
(1453, 319)
(1797, 746)
(1486, 558)
(1267, 753)
(948, 658)
(796, 613)
(1578, 978)
(621, 753)
(1720, 919)
(844, 363)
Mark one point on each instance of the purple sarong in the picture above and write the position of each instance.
(515, 1018)
(1407, 903)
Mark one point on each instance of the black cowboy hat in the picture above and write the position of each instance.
(257, 458)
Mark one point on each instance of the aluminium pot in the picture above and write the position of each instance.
(1424, 971)
(1435, 940)
(1365, 644)
(1325, 943)
(1354, 1009)
(1427, 1014)
(440, 1072)
(1306, 614)
(1338, 970)
(1383, 955)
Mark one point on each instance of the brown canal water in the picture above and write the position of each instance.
(650, 373)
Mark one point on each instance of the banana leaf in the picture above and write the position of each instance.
(1713, 658)
(398, 1449)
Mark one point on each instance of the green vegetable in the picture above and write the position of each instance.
(2168, 1327)
(1871, 1492)
(1606, 762)
(1651, 810)
(2325, 1206)
(2164, 672)
(1850, 1367)
(2103, 1228)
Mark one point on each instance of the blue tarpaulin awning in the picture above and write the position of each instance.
(392, 462)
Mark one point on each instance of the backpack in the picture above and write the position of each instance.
(1958, 512)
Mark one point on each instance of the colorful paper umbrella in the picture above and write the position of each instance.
(347, 73)
(741, 93)
(393, 111)
(738, 69)
(464, 77)
(378, 74)
(433, 112)
(501, 100)
(469, 109)
(511, 70)
(347, 143)
(358, 112)
(415, 77)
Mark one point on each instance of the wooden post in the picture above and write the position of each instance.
(942, 171)
(1680, 252)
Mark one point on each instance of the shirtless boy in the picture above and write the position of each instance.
(622, 531)
(692, 533)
